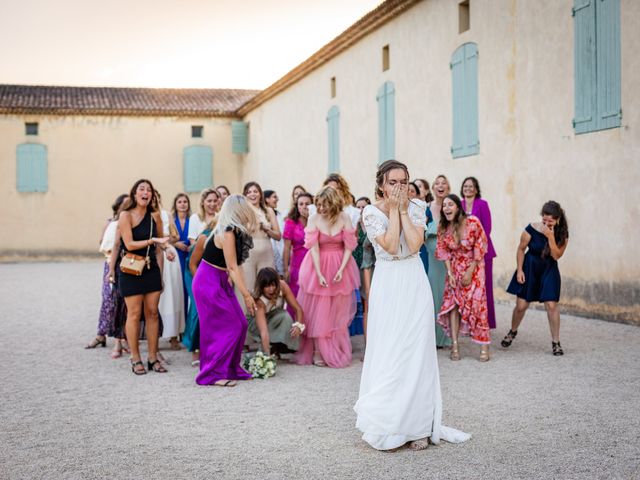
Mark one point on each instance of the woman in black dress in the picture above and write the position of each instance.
(537, 278)
(140, 228)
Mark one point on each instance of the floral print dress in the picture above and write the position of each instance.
(472, 299)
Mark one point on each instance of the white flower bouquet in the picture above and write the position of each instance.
(260, 365)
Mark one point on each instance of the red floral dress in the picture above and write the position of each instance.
(472, 299)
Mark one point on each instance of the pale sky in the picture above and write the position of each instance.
(165, 43)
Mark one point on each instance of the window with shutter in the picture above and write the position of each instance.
(198, 167)
(333, 127)
(240, 136)
(31, 168)
(596, 65)
(386, 122)
(464, 77)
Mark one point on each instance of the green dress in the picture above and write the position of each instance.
(437, 276)
(279, 323)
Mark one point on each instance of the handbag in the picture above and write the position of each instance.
(133, 264)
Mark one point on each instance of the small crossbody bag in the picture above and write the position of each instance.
(133, 264)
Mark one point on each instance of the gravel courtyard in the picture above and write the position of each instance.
(67, 412)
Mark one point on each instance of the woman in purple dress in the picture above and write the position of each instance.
(478, 207)
(294, 249)
(223, 325)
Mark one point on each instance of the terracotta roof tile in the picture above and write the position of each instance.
(25, 99)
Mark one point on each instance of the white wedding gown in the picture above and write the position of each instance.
(400, 397)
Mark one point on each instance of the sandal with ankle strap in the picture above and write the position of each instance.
(557, 349)
(509, 338)
(137, 371)
(455, 353)
(156, 366)
(96, 342)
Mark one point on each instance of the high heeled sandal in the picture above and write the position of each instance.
(156, 366)
(96, 342)
(455, 353)
(509, 338)
(137, 371)
(557, 349)
(484, 354)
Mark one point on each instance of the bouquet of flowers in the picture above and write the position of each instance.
(260, 366)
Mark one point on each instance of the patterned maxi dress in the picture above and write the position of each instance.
(471, 300)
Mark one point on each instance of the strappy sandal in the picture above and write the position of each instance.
(138, 371)
(226, 383)
(156, 366)
(557, 349)
(418, 445)
(509, 338)
(96, 342)
(455, 353)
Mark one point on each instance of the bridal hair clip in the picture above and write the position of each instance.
(300, 326)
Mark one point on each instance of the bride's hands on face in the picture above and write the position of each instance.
(393, 200)
(404, 198)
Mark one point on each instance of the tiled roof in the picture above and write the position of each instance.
(25, 99)
(373, 20)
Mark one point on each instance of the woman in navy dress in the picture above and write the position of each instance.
(537, 278)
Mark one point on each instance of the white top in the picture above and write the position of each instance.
(376, 224)
(166, 219)
(109, 238)
(196, 227)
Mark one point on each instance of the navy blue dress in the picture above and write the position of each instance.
(541, 275)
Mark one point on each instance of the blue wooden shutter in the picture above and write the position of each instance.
(608, 63)
(333, 127)
(31, 168)
(464, 75)
(457, 76)
(585, 115)
(386, 122)
(472, 143)
(198, 168)
(240, 136)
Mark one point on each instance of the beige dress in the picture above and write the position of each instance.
(261, 255)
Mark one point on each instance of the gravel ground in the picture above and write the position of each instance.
(73, 413)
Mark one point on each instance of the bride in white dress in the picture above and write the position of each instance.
(400, 397)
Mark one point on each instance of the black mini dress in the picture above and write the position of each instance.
(151, 278)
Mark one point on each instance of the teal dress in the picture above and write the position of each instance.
(191, 335)
(437, 274)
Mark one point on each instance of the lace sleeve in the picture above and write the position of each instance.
(373, 224)
(418, 216)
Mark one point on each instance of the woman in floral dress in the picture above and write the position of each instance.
(462, 245)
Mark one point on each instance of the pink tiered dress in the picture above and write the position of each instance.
(328, 310)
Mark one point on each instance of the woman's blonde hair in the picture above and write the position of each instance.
(333, 201)
(203, 196)
(236, 213)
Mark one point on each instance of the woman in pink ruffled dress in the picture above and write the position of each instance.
(328, 279)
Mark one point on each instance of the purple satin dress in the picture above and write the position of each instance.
(481, 211)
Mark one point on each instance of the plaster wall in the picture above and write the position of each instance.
(91, 160)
